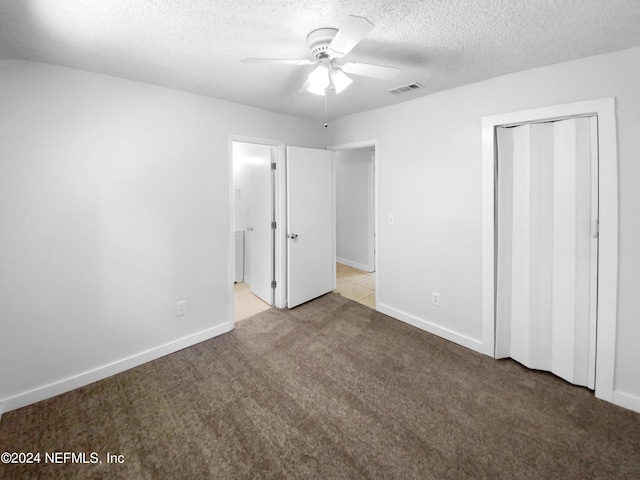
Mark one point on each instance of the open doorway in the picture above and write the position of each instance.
(253, 227)
(355, 203)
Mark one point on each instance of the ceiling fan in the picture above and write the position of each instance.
(327, 45)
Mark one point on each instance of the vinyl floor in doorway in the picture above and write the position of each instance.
(328, 390)
(246, 304)
(356, 285)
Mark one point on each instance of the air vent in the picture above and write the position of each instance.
(406, 88)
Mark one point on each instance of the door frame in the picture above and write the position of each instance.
(353, 146)
(280, 216)
(604, 109)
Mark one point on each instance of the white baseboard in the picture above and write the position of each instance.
(349, 263)
(427, 326)
(626, 400)
(90, 376)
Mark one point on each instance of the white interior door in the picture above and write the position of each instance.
(260, 217)
(310, 253)
(547, 247)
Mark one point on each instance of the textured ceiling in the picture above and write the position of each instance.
(198, 45)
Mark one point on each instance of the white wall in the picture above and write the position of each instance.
(354, 207)
(114, 205)
(430, 155)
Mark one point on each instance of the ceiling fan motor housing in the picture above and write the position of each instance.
(319, 41)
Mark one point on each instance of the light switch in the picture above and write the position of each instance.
(391, 220)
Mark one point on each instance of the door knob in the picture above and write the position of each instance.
(250, 229)
(292, 236)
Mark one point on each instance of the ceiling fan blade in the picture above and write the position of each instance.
(352, 31)
(368, 70)
(278, 61)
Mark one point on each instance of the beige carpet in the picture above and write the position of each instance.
(329, 390)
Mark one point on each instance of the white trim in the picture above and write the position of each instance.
(626, 400)
(99, 373)
(280, 197)
(371, 216)
(553, 112)
(488, 240)
(604, 109)
(608, 255)
(430, 327)
(355, 145)
(593, 293)
(376, 184)
(230, 219)
(334, 206)
(281, 230)
(350, 263)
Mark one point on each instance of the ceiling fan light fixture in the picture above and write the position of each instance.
(340, 80)
(318, 80)
(327, 45)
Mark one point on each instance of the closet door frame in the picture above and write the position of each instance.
(604, 109)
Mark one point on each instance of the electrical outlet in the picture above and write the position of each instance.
(181, 308)
(435, 299)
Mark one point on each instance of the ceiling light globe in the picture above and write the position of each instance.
(318, 80)
(340, 80)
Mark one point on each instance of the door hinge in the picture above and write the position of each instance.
(273, 166)
(273, 284)
(273, 225)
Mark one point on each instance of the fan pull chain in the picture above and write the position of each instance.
(326, 100)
